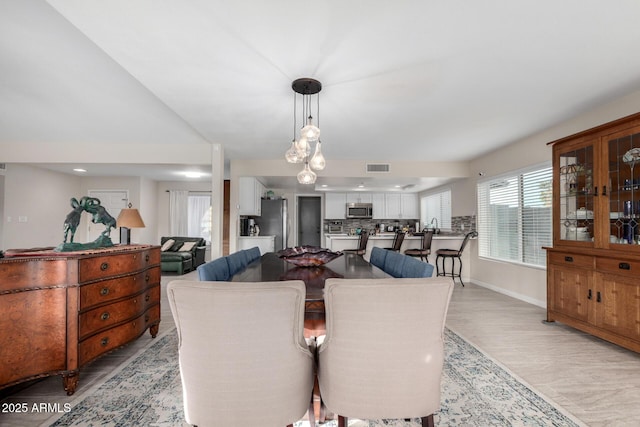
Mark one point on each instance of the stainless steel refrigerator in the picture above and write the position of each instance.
(274, 222)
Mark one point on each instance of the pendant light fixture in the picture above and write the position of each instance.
(300, 148)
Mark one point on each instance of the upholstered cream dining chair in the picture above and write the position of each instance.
(383, 353)
(243, 358)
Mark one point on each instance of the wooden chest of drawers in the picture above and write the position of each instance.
(61, 311)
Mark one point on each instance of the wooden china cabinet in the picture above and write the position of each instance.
(593, 268)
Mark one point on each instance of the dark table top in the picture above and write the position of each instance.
(270, 268)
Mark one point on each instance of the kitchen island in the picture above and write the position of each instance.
(265, 243)
(340, 242)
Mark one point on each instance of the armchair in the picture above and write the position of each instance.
(243, 358)
(383, 353)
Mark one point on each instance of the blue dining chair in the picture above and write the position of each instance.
(254, 254)
(393, 263)
(216, 270)
(378, 256)
(413, 268)
(237, 262)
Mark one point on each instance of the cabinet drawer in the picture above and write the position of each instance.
(569, 259)
(617, 266)
(113, 289)
(108, 340)
(151, 256)
(103, 267)
(108, 315)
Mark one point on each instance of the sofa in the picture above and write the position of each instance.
(181, 254)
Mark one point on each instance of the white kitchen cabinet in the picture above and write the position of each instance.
(335, 205)
(410, 207)
(401, 206)
(250, 196)
(379, 206)
(357, 197)
(392, 205)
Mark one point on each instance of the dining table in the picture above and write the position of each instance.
(271, 267)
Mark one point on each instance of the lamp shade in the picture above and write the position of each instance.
(130, 218)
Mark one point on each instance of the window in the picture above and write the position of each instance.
(438, 206)
(514, 216)
(199, 216)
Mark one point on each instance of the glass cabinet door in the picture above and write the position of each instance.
(576, 195)
(624, 193)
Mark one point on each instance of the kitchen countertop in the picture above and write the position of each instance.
(267, 236)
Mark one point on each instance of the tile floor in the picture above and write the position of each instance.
(597, 382)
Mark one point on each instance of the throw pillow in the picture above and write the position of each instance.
(176, 246)
(188, 246)
(167, 245)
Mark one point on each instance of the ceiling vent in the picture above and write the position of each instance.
(378, 167)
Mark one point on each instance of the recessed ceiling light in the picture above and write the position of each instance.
(193, 174)
(324, 186)
(79, 170)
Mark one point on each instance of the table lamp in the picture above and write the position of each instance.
(127, 219)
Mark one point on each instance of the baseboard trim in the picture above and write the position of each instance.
(516, 295)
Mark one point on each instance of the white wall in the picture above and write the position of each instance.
(43, 197)
(522, 282)
(40, 196)
(149, 212)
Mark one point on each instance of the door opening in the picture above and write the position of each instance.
(309, 220)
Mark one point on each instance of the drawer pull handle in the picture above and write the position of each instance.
(146, 318)
(104, 291)
(589, 296)
(599, 297)
(624, 266)
(146, 278)
(147, 298)
(104, 341)
(595, 191)
(604, 190)
(104, 266)
(146, 258)
(105, 315)
(568, 259)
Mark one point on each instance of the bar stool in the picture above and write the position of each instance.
(453, 254)
(362, 244)
(425, 247)
(397, 241)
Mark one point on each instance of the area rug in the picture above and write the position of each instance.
(476, 391)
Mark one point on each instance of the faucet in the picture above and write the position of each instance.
(436, 230)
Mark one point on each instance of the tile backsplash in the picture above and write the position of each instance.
(463, 224)
(459, 224)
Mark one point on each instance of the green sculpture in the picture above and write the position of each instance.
(99, 215)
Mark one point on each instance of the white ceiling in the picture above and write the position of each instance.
(409, 80)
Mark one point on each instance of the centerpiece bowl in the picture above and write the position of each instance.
(308, 256)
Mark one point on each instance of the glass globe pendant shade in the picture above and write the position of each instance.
(293, 154)
(306, 175)
(317, 162)
(311, 132)
(304, 148)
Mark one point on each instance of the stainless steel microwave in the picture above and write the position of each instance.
(359, 210)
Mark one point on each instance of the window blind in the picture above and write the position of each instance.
(436, 205)
(514, 216)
